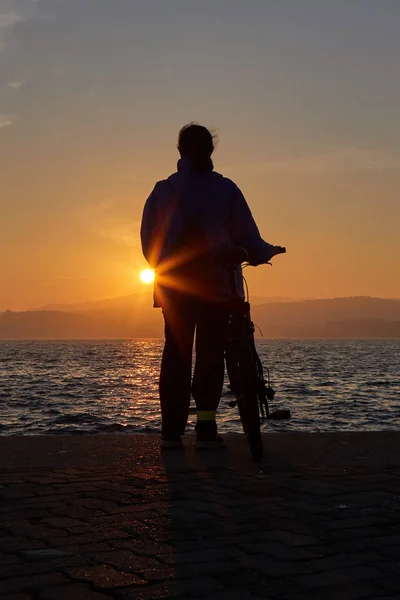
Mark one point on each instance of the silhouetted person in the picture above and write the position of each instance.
(188, 220)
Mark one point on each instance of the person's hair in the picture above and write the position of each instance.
(197, 143)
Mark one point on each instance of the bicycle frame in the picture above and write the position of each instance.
(240, 308)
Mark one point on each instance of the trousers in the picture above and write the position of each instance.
(185, 321)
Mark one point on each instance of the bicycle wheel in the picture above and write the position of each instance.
(247, 394)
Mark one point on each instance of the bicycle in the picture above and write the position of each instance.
(244, 366)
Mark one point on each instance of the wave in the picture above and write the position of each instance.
(113, 387)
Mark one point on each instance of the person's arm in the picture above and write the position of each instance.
(245, 232)
(149, 230)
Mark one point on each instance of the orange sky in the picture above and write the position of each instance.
(307, 117)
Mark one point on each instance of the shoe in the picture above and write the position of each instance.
(171, 442)
(207, 437)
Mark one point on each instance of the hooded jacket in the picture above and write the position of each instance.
(218, 208)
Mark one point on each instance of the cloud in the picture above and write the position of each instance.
(5, 121)
(11, 13)
(15, 85)
(8, 18)
(337, 161)
(112, 219)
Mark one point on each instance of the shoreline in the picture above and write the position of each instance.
(161, 338)
(35, 448)
(118, 431)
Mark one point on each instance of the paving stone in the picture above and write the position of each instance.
(348, 591)
(357, 533)
(30, 582)
(216, 554)
(233, 595)
(28, 568)
(277, 587)
(358, 545)
(158, 574)
(274, 568)
(279, 551)
(143, 547)
(44, 553)
(64, 522)
(72, 591)
(83, 549)
(9, 559)
(164, 591)
(390, 551)
(201, 569)
(18, 596)
(339, 561)
(16, 544)
(106, 577)
(38, 532)
(88, 538)
(288, 537)
(387, 582)
(127, 561)
(205, 587)
(339, 576)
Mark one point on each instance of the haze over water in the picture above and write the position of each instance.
(112, 386)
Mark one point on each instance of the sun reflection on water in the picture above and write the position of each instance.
(112, 386)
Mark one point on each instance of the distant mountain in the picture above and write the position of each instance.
(132, 300)
(133, 316)
(362, 328)
(334, 317)
(64, 325)
(257, 300)
(109, 303)
(50, 325)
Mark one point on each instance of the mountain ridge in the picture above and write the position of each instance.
(134, 316)
(126, 299)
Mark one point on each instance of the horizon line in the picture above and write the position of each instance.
(286, 300)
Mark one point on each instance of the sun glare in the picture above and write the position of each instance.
(147, 276)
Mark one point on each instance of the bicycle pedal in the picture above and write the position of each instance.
(279, 414)
(269, 392)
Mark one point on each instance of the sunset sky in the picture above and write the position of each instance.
(305, 97)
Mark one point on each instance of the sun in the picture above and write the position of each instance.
(147, 276)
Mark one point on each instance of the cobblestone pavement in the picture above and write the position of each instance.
(111, 517)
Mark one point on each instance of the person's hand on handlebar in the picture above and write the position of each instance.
(275, 250)
(278, 250)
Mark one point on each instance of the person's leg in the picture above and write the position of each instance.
(209, 368)
(176, 367)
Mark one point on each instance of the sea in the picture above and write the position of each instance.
(111, 386)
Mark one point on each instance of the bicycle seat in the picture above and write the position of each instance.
(233, 256)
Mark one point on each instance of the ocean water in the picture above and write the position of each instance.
(81, 387)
